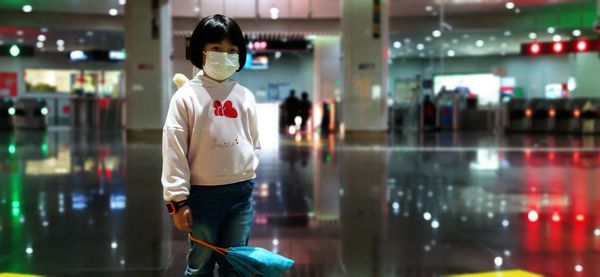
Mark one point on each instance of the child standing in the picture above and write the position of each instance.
(209, 142)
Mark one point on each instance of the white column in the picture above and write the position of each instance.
(148, 43)
(327, 73)
(365, 67)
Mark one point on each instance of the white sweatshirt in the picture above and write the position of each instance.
(209, 137)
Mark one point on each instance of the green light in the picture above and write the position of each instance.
(328, 158)
(16, 204)
(45, 148)
(15, 51)
(12, 149)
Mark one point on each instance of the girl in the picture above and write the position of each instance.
(209, 139)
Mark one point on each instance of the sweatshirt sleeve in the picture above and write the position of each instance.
(254, 125)
(175, 142)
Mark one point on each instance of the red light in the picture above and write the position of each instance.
(582, 45)
(535, 48)
(580, 217)
(528, 112)
(555, 217)
(577, 113)
(533, 216)
(557, 47)
(552, 113)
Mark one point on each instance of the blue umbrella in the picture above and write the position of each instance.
(251, 261)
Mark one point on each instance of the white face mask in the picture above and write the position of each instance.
(220, 65)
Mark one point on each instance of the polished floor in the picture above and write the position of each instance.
(77, 203)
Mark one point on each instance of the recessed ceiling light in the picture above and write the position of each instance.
(429, 8)
(89, 33)
(428, 38)
(507, 33)
(407, 40)
(397, 44)
(532, 35)
(19, 33)
(113, 12)
(274, 13)
(39, 44)
(510, 5)
(122, 2)
(517, 11)
(61, 48)
(436, 33)
(451, 53)
(576, 32)
(60, 42)
(480, 43)
(41, 38)
(196, 9)
(420, 46)
(556, 38)
(551, 30)
(27, 8)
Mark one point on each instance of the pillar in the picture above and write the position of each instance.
(365, 36)
(327, 74)
(148, 44)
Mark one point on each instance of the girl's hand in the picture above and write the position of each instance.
(183, 219)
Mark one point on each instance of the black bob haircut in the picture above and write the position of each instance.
(214, 29)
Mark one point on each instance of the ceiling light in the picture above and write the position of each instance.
(61, 48)
(397, 44)
(420, 46)
(122, 2)
(19, 33)
(451, 53)
(576, 32)
(517, 11)
(407, 40)
(274, 13)
(44, 29)
(532, 35)
(429, 8)
(551, 30)
(27, 8)
(39, 44)
(89, 33)
(437, 33)
(14, 50)
(428, 38)
(196, 9)
(556, 38)
(507, 33)
(455, 41)
(480, 43)
(41, 38)
(510, 5)
(60, 42)
(113, 12)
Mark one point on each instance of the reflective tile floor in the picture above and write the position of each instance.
(76, 203)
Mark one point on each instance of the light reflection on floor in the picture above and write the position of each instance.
(81, 203)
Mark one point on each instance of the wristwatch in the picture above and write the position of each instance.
(173, 207)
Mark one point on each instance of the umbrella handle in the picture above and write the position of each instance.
(219, 250)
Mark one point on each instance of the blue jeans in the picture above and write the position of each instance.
(221, 216)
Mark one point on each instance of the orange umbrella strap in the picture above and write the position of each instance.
(219, 250)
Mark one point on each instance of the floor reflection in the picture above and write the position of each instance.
(89, 203)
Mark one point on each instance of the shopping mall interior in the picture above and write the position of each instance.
(425, 138)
